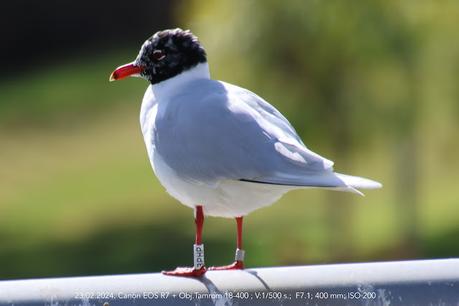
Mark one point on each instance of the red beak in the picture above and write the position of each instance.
(124, 71)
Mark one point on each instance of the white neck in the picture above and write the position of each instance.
(164, 88)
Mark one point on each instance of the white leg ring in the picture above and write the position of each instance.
(240, 254)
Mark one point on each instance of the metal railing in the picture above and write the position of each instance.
(422, 282)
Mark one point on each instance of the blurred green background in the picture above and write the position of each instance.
(372, 85)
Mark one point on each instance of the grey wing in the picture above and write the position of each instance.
(230, 133)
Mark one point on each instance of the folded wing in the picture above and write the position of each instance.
(240, 137)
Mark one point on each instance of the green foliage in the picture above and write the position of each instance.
(69, 90)
(328, 65)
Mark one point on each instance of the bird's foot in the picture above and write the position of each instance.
(186, 272)
(237, 265)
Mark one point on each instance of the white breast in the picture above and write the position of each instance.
(226, 198)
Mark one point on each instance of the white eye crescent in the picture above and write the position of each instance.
(158, 55)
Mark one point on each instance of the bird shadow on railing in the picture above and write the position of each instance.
(220, 297)
(262, 281)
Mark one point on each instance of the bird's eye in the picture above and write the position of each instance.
(158, 55)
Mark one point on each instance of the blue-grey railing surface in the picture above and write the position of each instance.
(422, 282)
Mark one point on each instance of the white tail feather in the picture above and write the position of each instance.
(358, 182)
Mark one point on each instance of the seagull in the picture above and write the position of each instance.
(218, 148)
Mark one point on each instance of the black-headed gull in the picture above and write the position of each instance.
(219, 148)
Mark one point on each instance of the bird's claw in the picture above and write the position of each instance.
(237, 265)
(186, 272)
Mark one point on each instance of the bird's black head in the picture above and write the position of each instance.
(164, 55)
(168, 53)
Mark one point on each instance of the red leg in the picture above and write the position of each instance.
(199, 267)
(238, 264)
(199, 221)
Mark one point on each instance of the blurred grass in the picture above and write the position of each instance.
(78, 196)
(65, 89)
